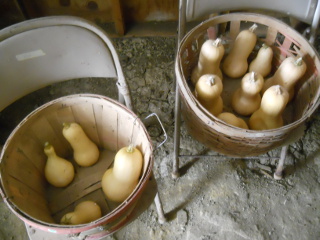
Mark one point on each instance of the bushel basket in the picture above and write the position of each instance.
(23, 185)
(285, 41)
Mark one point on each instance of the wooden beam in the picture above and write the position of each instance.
(118, 17)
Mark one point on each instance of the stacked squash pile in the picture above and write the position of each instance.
(261, 96)
(117, 182)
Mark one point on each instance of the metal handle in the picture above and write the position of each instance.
(164, 131)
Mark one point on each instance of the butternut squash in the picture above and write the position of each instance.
(287, 75)
(235, 64)
(269, 115)
(211, 53)
(85, 152)
(208, 91)
(119, 182)
(58, 171)
(115, 189)
(233, 120)
(246, 99)
(84, 212)
(128, 164)
(263, 61)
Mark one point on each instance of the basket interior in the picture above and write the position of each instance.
(284, 41)
(110, 125)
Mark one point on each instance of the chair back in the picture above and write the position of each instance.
(43, 51)
(307, 11)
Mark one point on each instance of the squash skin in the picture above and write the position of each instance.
(208, 91)
(233, 120)
(235, 64)
(85, 152)
(246, 99)
(128, 164)
(84, 212)
(58, 171)
(287, 75)
(119, 182)
(269, 115)
(263, 62)
(115, 189)
(211, 54)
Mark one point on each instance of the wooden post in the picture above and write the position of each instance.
(118, 17)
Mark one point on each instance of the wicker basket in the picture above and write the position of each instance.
(224, 138)
(109, 124)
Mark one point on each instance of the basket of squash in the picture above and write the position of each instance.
(78, 163)
(248, 83)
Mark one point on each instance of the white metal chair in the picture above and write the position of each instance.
(43, 51)
(306, 11)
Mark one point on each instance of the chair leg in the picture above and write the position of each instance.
(161, 217)
(279, 171)
(175, 171)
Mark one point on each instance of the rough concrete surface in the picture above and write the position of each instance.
(213, 198)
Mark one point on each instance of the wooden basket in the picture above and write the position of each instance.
(222, 137)
(24, 188)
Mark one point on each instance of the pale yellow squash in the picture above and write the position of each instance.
(119, 182)
(208, 91)
(233, 120)
(235, 64)
(287, 75)
(246, 99)
(263, 61)
(269, 115)
(84, 212)
(85, 151)
(115, 189)
(128, 164)
(211, 53)
(58, 171)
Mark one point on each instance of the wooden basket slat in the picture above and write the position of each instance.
(271, 36)
(64, 114)
(234, 29)
(25, 171)
(84, 115)
(109, 128)
(143, 148)
(56, 121)
(125, 130)
(98, 109)
(44, 132)
(30, 148)
(28, 200)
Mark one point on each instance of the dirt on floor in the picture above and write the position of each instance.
(214, 198)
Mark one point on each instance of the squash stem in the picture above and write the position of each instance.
(298, 62)
(210, 80)
(278, 90)
(253, 27)
(253, 77)
(217, 42)
(47, 146)
(130, 148)
(66, 125)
